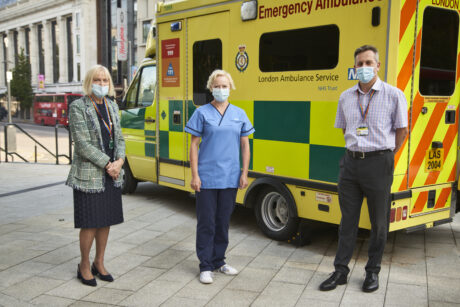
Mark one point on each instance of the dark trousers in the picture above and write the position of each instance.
(358, 178)
(214, 208)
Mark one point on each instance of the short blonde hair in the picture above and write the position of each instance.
(89, 79)
(217, 73)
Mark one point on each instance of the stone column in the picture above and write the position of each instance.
(88, 36)
(33, 43)
(48, 52)
(21, 40)
(2, 65)
(63, 58)
(10, 51)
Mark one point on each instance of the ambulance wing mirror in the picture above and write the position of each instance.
(249, 10)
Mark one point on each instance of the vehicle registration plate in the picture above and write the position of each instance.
(434, 160)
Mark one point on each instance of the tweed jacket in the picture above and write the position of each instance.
(87, 172)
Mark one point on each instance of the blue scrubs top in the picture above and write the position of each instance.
(219, 152)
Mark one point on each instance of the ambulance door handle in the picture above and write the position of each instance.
(150, 120)
(176, 117)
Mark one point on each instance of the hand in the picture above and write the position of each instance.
(243, 182)
(114, 168)
(196, 183)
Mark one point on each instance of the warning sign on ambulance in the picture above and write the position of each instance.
(170, 69)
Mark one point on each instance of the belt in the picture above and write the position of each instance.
(363, 155)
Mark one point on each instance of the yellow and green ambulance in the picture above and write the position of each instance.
(290, 61)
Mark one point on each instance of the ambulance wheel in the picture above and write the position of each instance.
(276, 214)
(129, 182)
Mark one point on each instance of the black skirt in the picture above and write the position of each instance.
(96, 210)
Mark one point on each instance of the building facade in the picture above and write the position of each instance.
(62, 39)
(57, 36)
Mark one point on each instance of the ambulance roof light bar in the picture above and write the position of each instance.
(249, 10)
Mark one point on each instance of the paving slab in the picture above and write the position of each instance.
(231, 297)
(442, 289)
(406, 295)
(54, 301)
(32, 287)
(107, 296)
(135, 279)
(280, 294)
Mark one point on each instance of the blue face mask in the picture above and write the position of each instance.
(220, 94)
(365, 74)
(99, 91)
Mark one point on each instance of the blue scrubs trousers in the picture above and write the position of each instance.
(214, 208)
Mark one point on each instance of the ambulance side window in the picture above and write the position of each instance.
(147, 86)
(207, 56)
(129, 101)
(300, 49)
(438, 57)
(141, 93)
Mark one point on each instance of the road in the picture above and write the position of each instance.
(45, 135)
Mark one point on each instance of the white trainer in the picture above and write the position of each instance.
(228, 270)
(206, 277)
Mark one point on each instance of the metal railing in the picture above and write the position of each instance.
(55, 155)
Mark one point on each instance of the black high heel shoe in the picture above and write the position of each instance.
(95, 272)
(88, 282)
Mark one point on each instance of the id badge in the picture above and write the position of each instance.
(111, 144)
(362, 131)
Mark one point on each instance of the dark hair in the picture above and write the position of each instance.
(367, 48)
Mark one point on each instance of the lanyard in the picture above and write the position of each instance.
(107, 126)
(364, 113)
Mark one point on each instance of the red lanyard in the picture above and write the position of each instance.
(364, 113)
(107, 126)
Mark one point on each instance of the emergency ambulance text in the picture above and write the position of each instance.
(306, 7)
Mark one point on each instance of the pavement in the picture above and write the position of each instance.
(152, 255)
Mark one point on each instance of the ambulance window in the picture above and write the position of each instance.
(147, 86)
(438, 57)
(299, 49)
(207, 56)
(129, 101)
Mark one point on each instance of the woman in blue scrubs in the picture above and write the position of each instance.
(219, 129)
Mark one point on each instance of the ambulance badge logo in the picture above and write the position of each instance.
(170, 71)
(242, 59)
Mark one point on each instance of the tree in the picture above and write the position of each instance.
(21, 87)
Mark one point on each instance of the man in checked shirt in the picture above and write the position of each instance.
(373, 117)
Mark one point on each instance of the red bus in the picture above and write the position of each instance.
(50, 109)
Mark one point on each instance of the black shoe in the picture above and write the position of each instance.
(95, 272)
(371, 282)
(337, 278)
(88, 282)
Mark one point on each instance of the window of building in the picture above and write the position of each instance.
(438, 57)
(299, 49)
(77, 20)
(27, 43)
(78, 72)
(15, 45)
(207, 56)
(41, 52)
(55, 50)
(77, 41)
(69, 49)
(145, 30)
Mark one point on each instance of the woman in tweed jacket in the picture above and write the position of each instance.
(96, 173)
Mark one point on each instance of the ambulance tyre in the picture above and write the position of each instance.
(129, 182)
(276, 214)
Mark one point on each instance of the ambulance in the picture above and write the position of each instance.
(290, 61)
